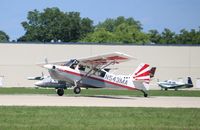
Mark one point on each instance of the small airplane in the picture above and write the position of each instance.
(37, 77)
(93, 72)
(48, 82)
(171, 84)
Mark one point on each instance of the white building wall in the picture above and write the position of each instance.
(18, 61)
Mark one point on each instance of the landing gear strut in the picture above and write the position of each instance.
(77, 89)
(60, 91)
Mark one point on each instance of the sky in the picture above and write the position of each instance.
(153, 14)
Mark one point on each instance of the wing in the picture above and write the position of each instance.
(99, 60)
(105, 59)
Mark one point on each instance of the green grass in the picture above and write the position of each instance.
(87, 92)
(97, 118)
(15, 90)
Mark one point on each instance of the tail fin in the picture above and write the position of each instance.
(190, 81)
(141, 77)
(142, 72)
(152, 72)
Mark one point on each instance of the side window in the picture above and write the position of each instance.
(102, 73)
(81, 68)
(87, 69)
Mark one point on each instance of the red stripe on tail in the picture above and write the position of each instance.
(144, 67)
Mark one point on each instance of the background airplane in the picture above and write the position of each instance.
(171, 84)
(93, 72)
(37, 77)
(48, 82)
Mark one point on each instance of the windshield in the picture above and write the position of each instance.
(72, 63)
(69, 63)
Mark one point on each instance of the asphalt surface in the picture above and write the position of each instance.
(99, 101)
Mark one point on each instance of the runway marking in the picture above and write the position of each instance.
(99, 101)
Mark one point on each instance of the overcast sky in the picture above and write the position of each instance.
(153, 14)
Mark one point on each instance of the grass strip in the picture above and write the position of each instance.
(91, 92)
(90, 118)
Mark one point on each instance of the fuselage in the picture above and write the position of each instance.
(93, 79)
(169, 84)
(48, 82)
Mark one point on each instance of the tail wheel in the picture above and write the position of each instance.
(60, 91)
(145, 94)
(77, 90)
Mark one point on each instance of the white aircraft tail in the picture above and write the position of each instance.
(141, 77)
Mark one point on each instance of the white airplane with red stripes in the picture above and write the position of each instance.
(93, 72)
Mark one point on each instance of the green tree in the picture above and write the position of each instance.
(53, 24)
(188, 37)
(3, 37)
(111, 24)
(167, 37)
(108, 25)
(197, 38)
(154, 36)
(86, 27)
(99, 36)
(119, 30)
(126, 33)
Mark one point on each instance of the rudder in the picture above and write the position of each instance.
(142, 72)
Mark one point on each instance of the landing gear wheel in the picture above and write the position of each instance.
(165, 89)
(77, 90)
(145, 94)
(60, 91)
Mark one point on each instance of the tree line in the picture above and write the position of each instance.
(54, 24)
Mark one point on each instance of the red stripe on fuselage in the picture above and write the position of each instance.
(102, 80)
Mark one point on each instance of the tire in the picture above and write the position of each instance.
(77, 90)
(145, 94)
(60, 91)
(165, 89)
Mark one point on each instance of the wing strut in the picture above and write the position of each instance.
(95, 70)
(86, 75)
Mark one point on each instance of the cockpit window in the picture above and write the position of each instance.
(68, 63)
(72, 63)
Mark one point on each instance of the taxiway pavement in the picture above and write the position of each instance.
(99, 101)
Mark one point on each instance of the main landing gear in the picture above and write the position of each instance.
(77, 90)
(60, 91)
